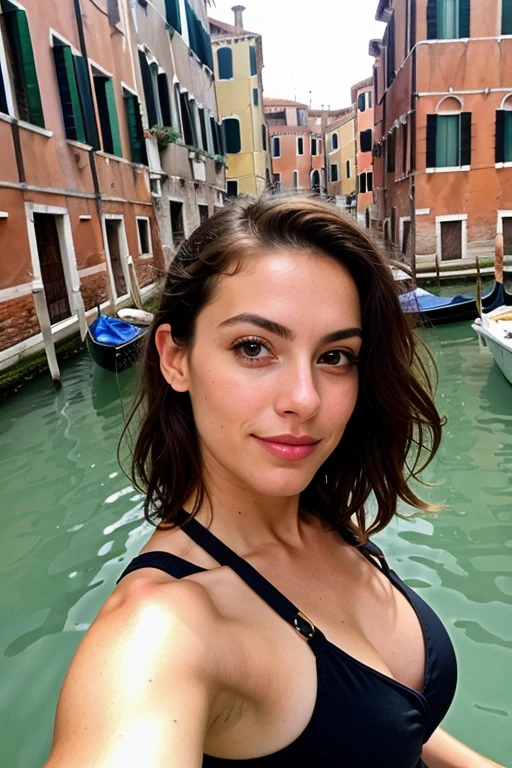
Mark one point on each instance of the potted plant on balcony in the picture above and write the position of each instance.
(164, 135)
(220, 162)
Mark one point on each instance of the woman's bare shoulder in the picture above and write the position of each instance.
(149, 659)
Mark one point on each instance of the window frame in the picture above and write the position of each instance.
(274, 139)
(232, 181)
(233, 118)
(297, 143)
(98, 73)
(331, 166)
(220, 49)
(149, 253)
(335, 135)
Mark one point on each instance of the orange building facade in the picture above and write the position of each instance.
(443, 127)
(296, 146)
(84, 181)
(362, 98)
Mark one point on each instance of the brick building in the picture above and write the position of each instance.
(443, 127)
(87, 102)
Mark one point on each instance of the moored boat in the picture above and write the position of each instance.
(113, 343)
(494, 330)
(452, 309)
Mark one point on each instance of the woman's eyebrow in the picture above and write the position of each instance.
(284, 332)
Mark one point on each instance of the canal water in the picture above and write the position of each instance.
(70, 521)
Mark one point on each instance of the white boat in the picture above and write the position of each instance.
(494, 330)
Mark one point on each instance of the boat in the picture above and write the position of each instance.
(113, 343)
(494, 330)
(452, 309)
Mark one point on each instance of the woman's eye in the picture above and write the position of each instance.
(336, 358)
(251, 349)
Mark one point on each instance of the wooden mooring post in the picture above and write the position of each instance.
(43, 317)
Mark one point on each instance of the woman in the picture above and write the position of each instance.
(281, 386)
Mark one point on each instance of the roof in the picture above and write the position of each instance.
(340, 121)
(230, 29)
(282, 103)
(358, 86)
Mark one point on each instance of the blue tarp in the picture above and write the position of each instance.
(421, 301)
(112, 331)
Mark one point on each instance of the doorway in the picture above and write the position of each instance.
(113, 229)
(52, 270)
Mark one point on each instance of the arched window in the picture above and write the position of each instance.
(225, 62)
(334, 141)
(504, 131)
(449, 135)
(231, 128)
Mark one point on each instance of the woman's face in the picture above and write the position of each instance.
(272, 374)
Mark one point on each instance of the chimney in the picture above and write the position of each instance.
(238, 11)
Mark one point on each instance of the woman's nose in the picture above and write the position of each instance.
(298, 393)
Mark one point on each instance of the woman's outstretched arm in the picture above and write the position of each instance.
(444, 751)
(141, 690)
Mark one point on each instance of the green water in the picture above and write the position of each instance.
(70, 521)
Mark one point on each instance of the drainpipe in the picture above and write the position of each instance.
(92, 155)
(412, 178)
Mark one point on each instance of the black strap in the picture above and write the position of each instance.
(272, 596)
(163, 561)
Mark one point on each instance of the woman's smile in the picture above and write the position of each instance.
(288, 447)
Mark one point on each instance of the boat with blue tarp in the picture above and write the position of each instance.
(113, 343)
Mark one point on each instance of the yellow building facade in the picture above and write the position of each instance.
(340, 155)
(238, 64)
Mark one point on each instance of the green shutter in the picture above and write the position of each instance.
(172, 14)
(68, 91)
(432, 19)
(447, 19)
(88, 113)
(19, 37)
(149, 94)
(112, 116)
(506, 17)
(135, 132)
(199, 39)
(508, 137)
(500, 136)
(464, 18)
(252, 60)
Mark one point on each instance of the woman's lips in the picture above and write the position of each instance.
(288, 451)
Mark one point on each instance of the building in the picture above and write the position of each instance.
(238, 66)
(362, 98)
(340, 153)
(296, 148)
(108, 127)
(184, 141)
(443, 127)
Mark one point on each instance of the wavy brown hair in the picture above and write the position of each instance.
(395, 429)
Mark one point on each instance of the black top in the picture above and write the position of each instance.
(362, 718)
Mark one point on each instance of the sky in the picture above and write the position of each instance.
(313, 51)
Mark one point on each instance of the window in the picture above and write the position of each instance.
(506, 17)
(109, 124)
(504, 136)
(300, 145)
(295, 179)
(178, 230)
(21, 56)
(277, 182)
(113, 12)
(189, 128)
(448, 19)
(369, 98)
(225, 63)
(276, 147)
(255, 96)
(172, 14)
(334, 141)
(135, 132)
(348, 169)
(405, 138)
(232, 188)
(264, 137)
(405, 235)
(369, 181)
(390, 151)
(301, 117)
(163, 98)
(334, 172)
(199, 38)
(365, 140)
(390, 52)
(252, 60)
(144, 235)
(314, 147)
(75, 95)
(203, 213)
(361, 102)
(362, 183)
(218, 147)
(449, 140)
(202, 124)
(231, 129)
(156, 92)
